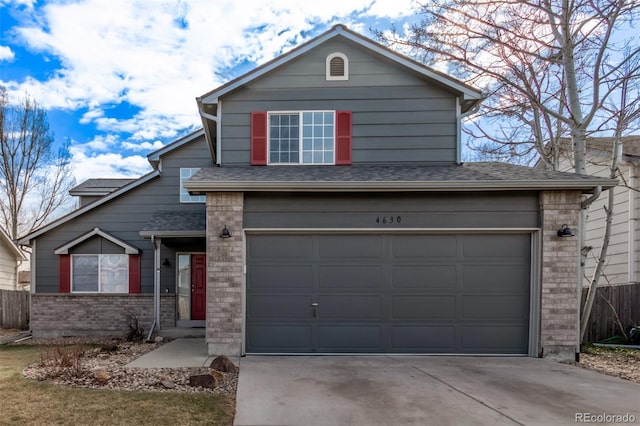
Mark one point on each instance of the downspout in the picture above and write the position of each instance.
(156, 286)
(633, 221)
(215, 119)
(459, 116)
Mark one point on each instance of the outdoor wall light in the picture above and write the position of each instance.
(225, 233)
(166, 262)
(565, 231)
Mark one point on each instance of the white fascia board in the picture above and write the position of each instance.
(466, 91)
(12, 246)
(144, 179)
(128, 249)
(479, 185)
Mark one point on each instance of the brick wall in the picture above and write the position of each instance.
(225, 273)
(54, 315)
(559, 312)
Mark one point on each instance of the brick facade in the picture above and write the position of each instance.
(55, 315)
(559, 307)
(225, 273)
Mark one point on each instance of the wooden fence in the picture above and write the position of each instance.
(624, 300)
(14, 309)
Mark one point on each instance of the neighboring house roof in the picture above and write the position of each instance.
(470, 95)
(176, 223)
(469, 177)
(8, 242)
(98, 187)
(128, 249)
(604, 145)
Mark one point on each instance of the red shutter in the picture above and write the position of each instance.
(134, 273)
(64, 284)
(343, 137)
(258, 138)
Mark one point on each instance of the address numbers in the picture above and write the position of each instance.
(388, 220)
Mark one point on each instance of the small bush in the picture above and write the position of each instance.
(134, 333)
(61, 360)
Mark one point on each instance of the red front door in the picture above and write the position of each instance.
(198, 286)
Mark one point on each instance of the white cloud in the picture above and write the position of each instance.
(108, 165)
(6, 54)
(117, 51)
(144, 146)
(100, 143)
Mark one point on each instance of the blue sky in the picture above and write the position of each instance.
(119, 78)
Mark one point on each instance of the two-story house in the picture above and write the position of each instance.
(324, 208)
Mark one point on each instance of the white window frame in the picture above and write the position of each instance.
(184, 195)
(99, 256)
(300, 138)
(345, 75)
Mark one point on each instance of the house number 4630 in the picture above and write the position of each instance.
(388, 219)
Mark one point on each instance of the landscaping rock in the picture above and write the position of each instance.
(224, 364)
(218, 375)
(168, 384)
(101, 376)
(203, 380)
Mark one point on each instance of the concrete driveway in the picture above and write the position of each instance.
(413, 390)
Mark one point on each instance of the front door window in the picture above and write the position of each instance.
(184, 286)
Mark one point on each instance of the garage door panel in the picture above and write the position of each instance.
(426, 246)
(349, 307)
(349, 338)
(495, 278)
(280, 338)
(280, 247)
(263, 306)
(420, 293)
(423, 307)
(425, 277)
(499, 246)
(496, 339)
(346, 277)
(280, 276)
(358, 246)
(420, 338)
(495, 307)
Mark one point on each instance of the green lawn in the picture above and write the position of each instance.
(26, 402)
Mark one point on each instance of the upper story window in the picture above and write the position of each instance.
(337, 66)
(301, 137)
(186, 173)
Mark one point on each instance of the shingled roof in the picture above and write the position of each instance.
(469, 176)
(99, 187)
(176, 224)
(630, 145)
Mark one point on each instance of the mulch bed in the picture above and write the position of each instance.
(68, 361)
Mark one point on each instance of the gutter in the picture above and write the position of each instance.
(633, 221)
(195, 187)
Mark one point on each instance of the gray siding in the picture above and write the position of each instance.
(124, 217)
(397, 117)
(430, 210)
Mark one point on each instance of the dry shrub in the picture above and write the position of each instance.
(63, 360)
(135, 333)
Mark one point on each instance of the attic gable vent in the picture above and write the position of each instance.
(337, 66)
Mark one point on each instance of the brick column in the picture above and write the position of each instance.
(559, 308)
(225, 273)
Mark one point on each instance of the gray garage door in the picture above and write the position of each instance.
(388, 293)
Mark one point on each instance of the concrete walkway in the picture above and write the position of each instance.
(412, 390)
(186, 352)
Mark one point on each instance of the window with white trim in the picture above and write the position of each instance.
(186, 173)
(337, 66)
(100, 273)
(301, 137)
